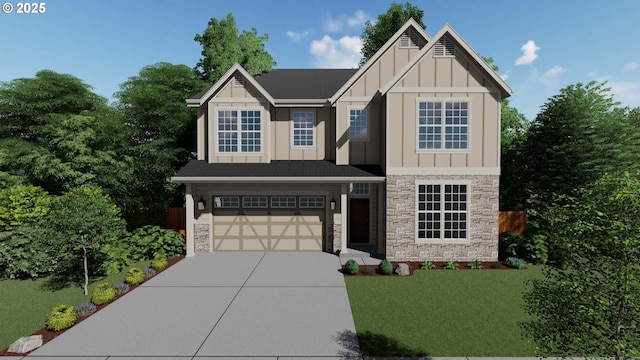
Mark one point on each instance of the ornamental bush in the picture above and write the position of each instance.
(151, 241)
(103, 294)
(159, 263)
(427, 265)
(121, 288)
(452, 265)
(385, 267)
(85, 309)
(149, 272)
(61, 317)
(516, 263)
(351, 267)
(135, 276)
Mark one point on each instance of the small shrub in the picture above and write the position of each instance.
(516, 263)
(134, 276)
(452, 265)
(159, 263)
(61, 317)
(476, 265)
(121, 288)
(369, 270)
(385, 267)
(534, 248)
(351, 267)
(103, 293)
(149, 272)
(427, 265)
(151, 241)
(85, 309)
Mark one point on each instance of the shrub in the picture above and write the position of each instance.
(385, 267)
(427, 265)
(159, 263)
(85, 309)
(151, 241)
(116, 256)
(476, 265)
(61, 317)
(149, 272)
(516, 263)
(352, 267)
(103, 293)
(534, 248)
(28, 252)
(452, 265)
(134, 276)
(22, 205)
(121, 288)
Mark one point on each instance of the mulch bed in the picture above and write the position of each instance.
(372, 270)
(48, 335)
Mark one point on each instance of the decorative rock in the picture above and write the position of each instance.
(402, 269)
(26, 344)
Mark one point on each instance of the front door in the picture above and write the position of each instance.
(359, 221)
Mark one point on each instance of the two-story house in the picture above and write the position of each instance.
(402, 154)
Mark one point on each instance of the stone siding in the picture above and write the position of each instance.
(483, 221)
(336, 237)
(201, 237)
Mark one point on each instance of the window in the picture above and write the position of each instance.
(303, 128)
(283, 201)
(450, 134)
(254, 201)
(227, 202)
(311, 201)
(444, 47)
(358, 124)
(442, 211)
(359, 189)
(249, 131)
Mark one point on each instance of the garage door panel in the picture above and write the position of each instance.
(309, 244)
(255, 244)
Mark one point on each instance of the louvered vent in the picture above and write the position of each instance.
(238, 80)
(444, 47)
(411, 39)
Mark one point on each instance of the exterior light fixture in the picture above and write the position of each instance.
(201, 204)
(333, 204)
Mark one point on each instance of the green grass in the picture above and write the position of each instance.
(442, 313)
(24, 303)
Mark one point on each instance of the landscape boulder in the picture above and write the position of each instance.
(26, 344)
(402, 269)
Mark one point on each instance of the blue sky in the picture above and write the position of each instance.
(539, 45)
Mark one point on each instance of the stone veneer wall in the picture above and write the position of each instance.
(483, 221)
(336, 237)
(201, 237)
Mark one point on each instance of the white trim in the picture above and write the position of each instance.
(444, 90)
(249, 100)
(263, 121)
(344, 218)
(443, 125)
(189, 223)
(443, 170)
(223, 80)
(278, 179)
(366, 99)
(360, 108)
(443, 240)
(292, 127)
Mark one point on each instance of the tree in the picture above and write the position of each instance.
(22, 205)
(377, 34)
(592, 307)
(223, 46)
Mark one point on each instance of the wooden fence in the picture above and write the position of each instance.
(515, 221)
(176, 219)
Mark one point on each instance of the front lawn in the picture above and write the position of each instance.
(442, 313)
(24, 303)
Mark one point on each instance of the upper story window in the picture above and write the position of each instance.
(303, 129)
(442, 211)
(239, 131)
(443, 125)
(358, 124)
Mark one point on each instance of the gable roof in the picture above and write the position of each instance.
(364, 68)
(294, 83)
(448, 30)
(204, 95)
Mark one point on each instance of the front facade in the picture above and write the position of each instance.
(401, 156)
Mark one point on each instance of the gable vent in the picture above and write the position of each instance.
(444, 47)
(238, 80)
(411, 39)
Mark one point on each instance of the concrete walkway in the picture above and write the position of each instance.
(246, 304)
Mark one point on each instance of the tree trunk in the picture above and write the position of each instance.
(86, 271)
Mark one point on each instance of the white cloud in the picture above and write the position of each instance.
(554, 72)
(592, 74)
(297, 35)
(630, 66)
(345, 22)
(627, 92)
(528, 53)
(341, 53)
(549, 78)
(505, 76)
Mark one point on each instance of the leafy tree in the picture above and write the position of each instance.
(27, 252)
(378, 33)
(22, 205)
(85, 219)
(223, 46)
(592, 307)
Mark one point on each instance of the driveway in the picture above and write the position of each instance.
(235, 304)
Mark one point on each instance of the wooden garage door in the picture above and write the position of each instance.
(282, 232)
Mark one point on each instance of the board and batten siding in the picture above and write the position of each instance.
(281, 140)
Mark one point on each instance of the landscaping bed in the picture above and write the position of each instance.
(372, 270)
(48, 335)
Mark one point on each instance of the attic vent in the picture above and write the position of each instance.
(238, 80)
(444, 47)
(411, 39)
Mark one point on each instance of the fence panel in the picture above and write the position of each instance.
(515, 221)
(176, 219)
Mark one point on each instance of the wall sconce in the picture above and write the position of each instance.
(217, 201)
(333, 204)
(201, 204)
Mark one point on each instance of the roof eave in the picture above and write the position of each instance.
(279, 179)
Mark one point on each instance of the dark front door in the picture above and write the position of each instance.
(359, 221)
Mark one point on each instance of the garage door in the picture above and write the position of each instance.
(301, 231)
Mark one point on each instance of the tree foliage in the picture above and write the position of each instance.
(378, 33)
(592, 307)
(22, 205)
(223, 46)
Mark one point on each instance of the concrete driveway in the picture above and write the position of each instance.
(235, 304)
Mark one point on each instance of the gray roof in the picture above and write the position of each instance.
(278, 168)
(304, 83)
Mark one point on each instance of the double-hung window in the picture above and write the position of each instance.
(443, 125)
(441, 212)
(239, 131)
(358, 124)
(303, 129)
